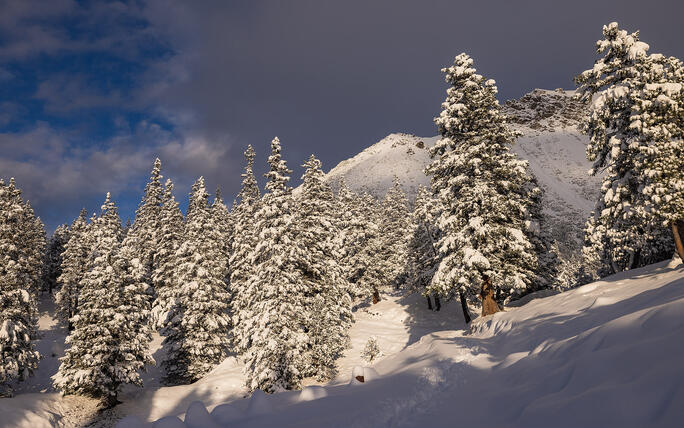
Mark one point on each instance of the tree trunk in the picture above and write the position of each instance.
(464, 307)
(489, 305)
(438, 304)
(111, 401)
(678, 234)
(376, 296)
(634, 259)
(429, 302)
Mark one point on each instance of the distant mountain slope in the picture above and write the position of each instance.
(373, 169)
(551, 141)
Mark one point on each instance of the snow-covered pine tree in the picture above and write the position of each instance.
(481, 185)
(165, 260)
(52, 261)
(356, 230)
(243, 243)
(270, 325)
(328, 311)
(423, 251)
(387, 250)
(32, 243)
(198, 326)
(539, 236)
(366, 284)
(224, 223)
(74, 262)
(635, 130)
(143, 234)
(18, 357)
(106, 348)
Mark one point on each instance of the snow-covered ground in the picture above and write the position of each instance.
(603, 355)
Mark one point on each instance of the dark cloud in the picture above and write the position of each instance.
(195, 82)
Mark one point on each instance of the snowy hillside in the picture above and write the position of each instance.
(605, 354)
(550, 141)
(373, 170)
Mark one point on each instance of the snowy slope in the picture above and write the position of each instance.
(605, 354)
(374, 169)
(551, 141)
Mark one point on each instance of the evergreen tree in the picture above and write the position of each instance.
(198, 326)
(357, 228)
(224, 223)
(52, 262)
(387, 250)
(543, 245)
(109, 344)
(271, 323)
(74, 261)
(636, 136)
(32, 244)
(165, 260)
(363, 264)
(143, 234)
(423, 254)
(243, 244)
(328, 310)
(18, 357)
(481, 185)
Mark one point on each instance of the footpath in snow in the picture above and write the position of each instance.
(606, 354)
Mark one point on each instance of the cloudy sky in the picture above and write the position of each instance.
(92, 92)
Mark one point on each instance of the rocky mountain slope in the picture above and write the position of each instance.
(551, 141)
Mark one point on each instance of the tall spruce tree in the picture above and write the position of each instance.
(165, 259)
(271, 323)
(387, 250)
(423, 251)
(328, 312)
(243, 244)
(357, 228)
(109, 344)
(74, 262)
(636, 137)
(369, 277)
(52, 260)
(144, 233)
(198, 326)
(18, 356)
(481, 185)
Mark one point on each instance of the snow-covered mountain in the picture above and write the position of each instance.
(551, 141)
(374, 169)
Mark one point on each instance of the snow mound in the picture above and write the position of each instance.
(197, 416)
(259, 404)
(225, 414)
(169, 422)
(311, 393)
(368, 374)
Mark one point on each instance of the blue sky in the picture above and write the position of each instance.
(91, 92)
